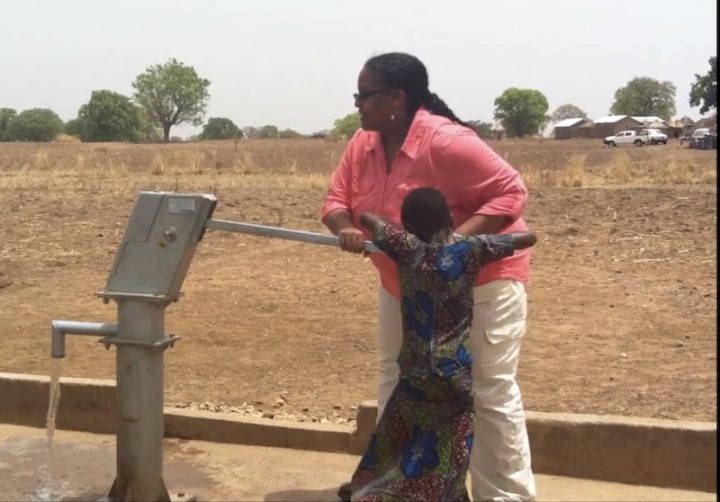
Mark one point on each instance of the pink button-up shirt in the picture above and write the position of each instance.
(441, 154)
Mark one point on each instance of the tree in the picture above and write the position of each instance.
(75, 127)
(522, 112)
(36, 124)
(289, 134)
(482, 129)
(172, 94)
(109, 116)
(645, 97)
(268, 132)
(703, 91)
(220, 128)
(568, 111)
(148, 130)
(320, 134)
(347, 125)
(6, 115)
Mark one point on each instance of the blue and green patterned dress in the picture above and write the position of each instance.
(421, 446)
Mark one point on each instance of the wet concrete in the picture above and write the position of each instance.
(82, 467)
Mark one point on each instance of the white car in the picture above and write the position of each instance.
(654, 136)
(701, 132)
(703, 139)
(626, 138)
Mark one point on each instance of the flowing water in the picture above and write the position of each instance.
(48, 487)
(55, 372)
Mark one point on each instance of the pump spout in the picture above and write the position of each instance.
(62, 328)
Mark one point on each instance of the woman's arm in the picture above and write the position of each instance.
(340, 223)
(336, 213)
(481, 181)
(483, 224)
(337, 220)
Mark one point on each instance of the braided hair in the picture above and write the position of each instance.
(398, 70)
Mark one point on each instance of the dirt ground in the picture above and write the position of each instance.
(623, 297)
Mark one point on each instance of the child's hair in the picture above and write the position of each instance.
(425, 212)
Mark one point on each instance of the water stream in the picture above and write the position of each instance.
(55, 372)
(49, 488)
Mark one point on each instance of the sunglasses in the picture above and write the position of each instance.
(361, 96)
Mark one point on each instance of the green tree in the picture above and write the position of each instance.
(289, 134)
(522, 112)
(75, 127)
(482, 129)
(320, 134)
(36, 124)
(6, 115)
(268, 132)
(645, 97)
(220, 128)
(347, 125)
(703, 91)
(108, 116)
(568, 111)
(148, 130)
(172, 94)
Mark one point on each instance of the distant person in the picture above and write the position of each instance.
(421, 447)
(411, 138)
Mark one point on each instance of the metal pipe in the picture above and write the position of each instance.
(62, 328)
(282, 233)
(139, 397)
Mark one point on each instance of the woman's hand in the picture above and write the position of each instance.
(351, 239)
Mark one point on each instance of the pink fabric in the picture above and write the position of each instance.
(436, 153)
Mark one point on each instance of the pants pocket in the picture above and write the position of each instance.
(500, 311)
(505, 332)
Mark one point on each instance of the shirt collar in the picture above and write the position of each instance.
(412, 141)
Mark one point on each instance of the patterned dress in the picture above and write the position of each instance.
(421, 446)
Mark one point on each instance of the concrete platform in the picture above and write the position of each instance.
(632, 450)
(82, 467)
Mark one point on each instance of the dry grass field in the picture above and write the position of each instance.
(623, 295)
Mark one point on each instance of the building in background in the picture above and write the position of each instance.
(610, 125)
(572, 128)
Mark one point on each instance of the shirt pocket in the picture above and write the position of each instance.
(366, 180)
(399, 188)
(363, 185)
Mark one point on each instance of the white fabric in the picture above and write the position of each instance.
(500, 459)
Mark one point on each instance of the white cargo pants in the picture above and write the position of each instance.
(500, 459)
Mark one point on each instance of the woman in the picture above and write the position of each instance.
(409, 139)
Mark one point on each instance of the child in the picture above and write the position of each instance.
(421, 445)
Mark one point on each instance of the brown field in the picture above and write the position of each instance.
(623, 295)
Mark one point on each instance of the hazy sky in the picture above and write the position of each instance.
(294, 63)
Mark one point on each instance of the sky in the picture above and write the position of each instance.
(294, 63)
